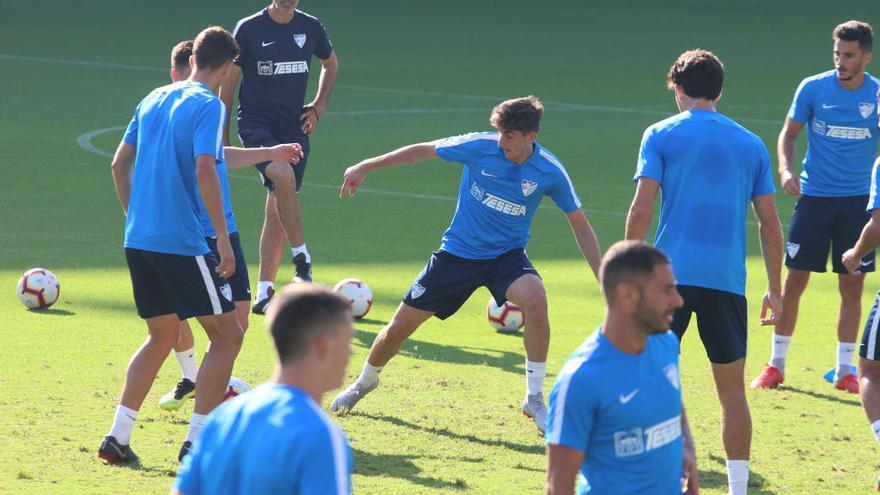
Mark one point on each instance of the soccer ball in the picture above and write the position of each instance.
(505, 319)
(236, 387)
(358, 294)
(38, 288)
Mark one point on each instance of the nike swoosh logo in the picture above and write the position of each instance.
(118, 450)
(487, 175)
(626, 398)
(529, 268)
(866, 263)
(267, 44)
(826, 107)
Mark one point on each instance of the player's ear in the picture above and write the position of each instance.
(173, 74)
(192, 62)
(720, 95)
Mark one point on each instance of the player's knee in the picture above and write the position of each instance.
(869, 372)
(851, 286)
(534, 301)
(796, 281)
(281, 175)
(243, 323)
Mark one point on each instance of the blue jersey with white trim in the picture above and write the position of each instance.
(205, 220)
(273, 439)
(874, 199)
(709, 169)
(171, 127)
(623, 412)
(841, 134)
(497, 198)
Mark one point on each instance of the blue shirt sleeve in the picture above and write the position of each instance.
(572, 409)
(464, 148)
(563, 193)
(874, 200)
(764, 177)
(323, 46)
(327, 467)
(650, 162)
(131, 132)
(802, 106)
(208, 136)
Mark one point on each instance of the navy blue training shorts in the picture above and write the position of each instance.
(239, 282)
(722, 321)
(261, 136)
(869, 348)
(819, 223)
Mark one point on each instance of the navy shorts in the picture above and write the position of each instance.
(171, 283)
(869, 348)
(260, 136)
(722, 321)
(447, 281)
(240, 283)
(819, 223)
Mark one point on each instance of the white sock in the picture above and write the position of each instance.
(187, 362)
(370, 374)
(196, 423)
(535, 373)
(263, 289)
(301, 249)
(123, 423)
(845, 351)
(780, 349)
(737, 477)
(876, 427)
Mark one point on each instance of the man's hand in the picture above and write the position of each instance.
(288, 152)
(309, 118)
(352, 180)
(772, 303)
(791, 182)
(850, 262)
(227, 258)
(689, 482)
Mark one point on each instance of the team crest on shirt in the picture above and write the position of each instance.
(528, 187)
(264, 67)
(226, 290)
(299, 39)
(866, 109)
(671, 372)
(792, 249)
(417, 290)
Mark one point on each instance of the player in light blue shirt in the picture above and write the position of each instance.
(710, 170)
(276, 439)
(617, 423)
(506, 174)
(838, 109)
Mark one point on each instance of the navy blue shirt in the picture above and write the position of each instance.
(275, 62)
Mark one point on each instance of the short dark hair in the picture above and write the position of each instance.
(519, 114)
(214, 47)
(699, 73)
(856, 31)
(628, 262)
(180, 54)
(299, 313)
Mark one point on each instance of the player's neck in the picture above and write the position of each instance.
(281, 16)
(302, 377)
(622, 332)
(211, 79)
(698, 104)
(854, 83)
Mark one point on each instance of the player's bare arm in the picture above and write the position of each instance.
(638, 219)
(212, 198)
(690, 481)
(563, 464)
(868, 241)
(227, 96)
(312, 112)
(245, 157)
(355, 175)
(788, 177)
(770, 232)
(121, 166)
(586, 239)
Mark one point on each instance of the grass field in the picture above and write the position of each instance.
(446, 419)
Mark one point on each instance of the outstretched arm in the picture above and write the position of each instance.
(771, 247)
(586, 239)
(639, 217)
(355, 175)
(245, 157)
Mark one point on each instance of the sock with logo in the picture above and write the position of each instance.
(369, 375)
(845, 352)
(737, 477)
(263, 287)
(535, 373)
(123, 423)
(780, 349)
(187, 362)
(196, 423)
(301, 249)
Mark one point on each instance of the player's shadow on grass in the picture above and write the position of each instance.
(370, 321)
(537, 448)
(52, 312)
(420, 349)
(819, 395)
(718, 479)
(400, 466)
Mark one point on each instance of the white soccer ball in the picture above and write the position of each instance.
(358, 294)
(236, 387)
(38, 288)
(508, 318)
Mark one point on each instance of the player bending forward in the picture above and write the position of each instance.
(505, 176)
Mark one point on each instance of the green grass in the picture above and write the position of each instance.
(446, 418)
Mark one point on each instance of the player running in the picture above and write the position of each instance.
(184, 349)
(506, 175)
(276, 438)
(173, 145)
(710, 169)
(839, 108)
(616, 414)
(277, 45)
